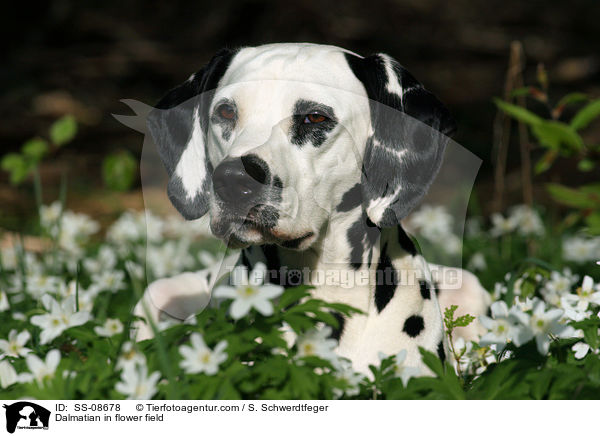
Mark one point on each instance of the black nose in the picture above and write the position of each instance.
(240, 180)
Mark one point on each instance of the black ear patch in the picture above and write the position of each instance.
(180, 121)
(404, 154)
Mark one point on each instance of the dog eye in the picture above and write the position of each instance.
(314, 118)
(226, 111)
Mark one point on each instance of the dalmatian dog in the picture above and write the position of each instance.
(307, 157)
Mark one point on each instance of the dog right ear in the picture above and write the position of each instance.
(178, 127)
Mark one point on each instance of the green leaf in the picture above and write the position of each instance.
(518, 112)
(18, 167)
(545, 161)
(573, 197)
(432, 361)
(11, 161)
(526, 90)
(291, 296)
(585, 116)
(553, 134)
(593, 223)
(63, 130)
(35, 149)
(586, 165)
(119, 171)
(573, 97)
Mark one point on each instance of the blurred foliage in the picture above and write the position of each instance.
(562, 138)
(119, 170)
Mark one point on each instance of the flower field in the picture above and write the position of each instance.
(65, 319)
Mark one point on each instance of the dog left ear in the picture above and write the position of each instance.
(178, 127)
(405, 150)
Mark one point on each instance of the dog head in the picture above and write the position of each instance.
(271, 141)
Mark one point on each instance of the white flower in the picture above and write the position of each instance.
(477, 262)
(208, 260)
(501, 225)
(199, 358)
(110, 328)
(250, 291)
(8, 258)
(452, 244)
(49, 216)
(169, 258)
(111, 280)
(177, 227)
(580, 250)
(473, 227)
(502, 326)
(136, 227)
(105, 260)
(558, 285)
(19, 316)
(61, 317)
(499, 290)
(42, 370)
(130, 357)
(317, 343)
(403, 371)
(75, 230)
(135, 383)
(15, 345)
(345, 373)
(586, 295)
(541, 324)
(522, 305)
(135, 270)
(463, 350)
(431, 221)
(4, 305)
(40, 284)
(527, 220)
(8, 375)
(581, 349)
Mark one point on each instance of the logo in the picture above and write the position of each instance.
(26, 415)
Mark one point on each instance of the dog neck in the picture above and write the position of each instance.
(349, 245)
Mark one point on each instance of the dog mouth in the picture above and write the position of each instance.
(256, 228)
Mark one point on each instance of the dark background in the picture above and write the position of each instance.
(83, 57)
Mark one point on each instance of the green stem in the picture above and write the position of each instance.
(37, 187)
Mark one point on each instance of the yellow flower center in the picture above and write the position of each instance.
(205, 358)
(309, 349)
(248, 291)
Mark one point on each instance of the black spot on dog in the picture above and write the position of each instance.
(362, 235)
(425, 293)
(351, 199)
(436, 288)
(245, 261)
(440, 351)
(413, 326)
(273, 264)
(405, 242)
(387, 280)
(336, 333)
(315, 133)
